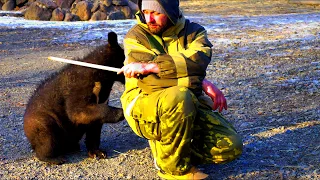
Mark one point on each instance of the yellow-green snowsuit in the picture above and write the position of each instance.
(168, 108)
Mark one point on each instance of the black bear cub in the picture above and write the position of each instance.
(73, 102)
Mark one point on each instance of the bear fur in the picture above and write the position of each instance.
(73, 102)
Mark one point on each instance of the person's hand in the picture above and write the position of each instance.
(219, 101)
(133, 70)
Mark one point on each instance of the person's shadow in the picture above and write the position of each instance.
(274, 152)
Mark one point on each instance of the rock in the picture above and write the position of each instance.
(71, 17)
(95, 7)
(9, 5)
(83, 10)
(107, 2)
(107, 9)
(120, 2)
(64, 3)
(98, 6)
(57, 15)
(73, 6)
(127, 12)
(98, 16)
(20, 2)
(116, 15)
(47, 4)
(34, 12)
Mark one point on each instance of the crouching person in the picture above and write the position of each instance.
(165, 68)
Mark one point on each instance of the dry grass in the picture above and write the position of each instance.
(245, 7)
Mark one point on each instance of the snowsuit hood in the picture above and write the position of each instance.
(171, 7)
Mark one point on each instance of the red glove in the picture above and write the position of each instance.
(136, 69)
(219, 101)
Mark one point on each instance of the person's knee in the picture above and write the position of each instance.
(235, 147)
(227, 149)
(179, 98)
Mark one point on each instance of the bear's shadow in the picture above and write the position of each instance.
(116, 139)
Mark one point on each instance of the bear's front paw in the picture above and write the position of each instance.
(97, 154)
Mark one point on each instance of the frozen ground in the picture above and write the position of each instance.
(268, 67)
(287, 25)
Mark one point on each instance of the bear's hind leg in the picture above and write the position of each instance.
(45, 137)
(45, 151)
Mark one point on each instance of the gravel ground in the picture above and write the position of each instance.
(269, 72)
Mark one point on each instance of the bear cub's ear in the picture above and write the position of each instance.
(112, 38)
